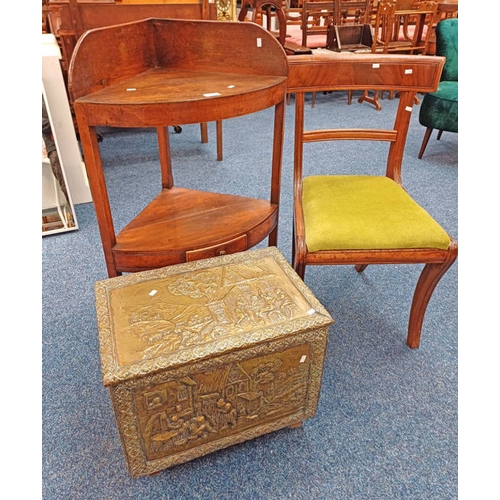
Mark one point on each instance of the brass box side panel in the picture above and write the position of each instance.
(175, 416)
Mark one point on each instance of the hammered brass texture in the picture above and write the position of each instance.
(173, 417)
(205, 355)
(167, 317)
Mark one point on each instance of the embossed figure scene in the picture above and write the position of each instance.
(168, 317)
(183, 413)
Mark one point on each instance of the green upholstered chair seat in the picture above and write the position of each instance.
(365, 212)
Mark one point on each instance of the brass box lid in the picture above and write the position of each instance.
(165, 318)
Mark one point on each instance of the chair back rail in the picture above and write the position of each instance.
(355, 11)
(344, 71)
(317, 16)
(399, 29)
(272, 8)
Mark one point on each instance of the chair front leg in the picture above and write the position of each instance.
(429, 278)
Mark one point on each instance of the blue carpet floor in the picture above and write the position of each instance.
(387, 421)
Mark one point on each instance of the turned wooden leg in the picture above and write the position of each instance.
(313, 101)
(372, 100)
(349, 96)
(427, 136)
(429, 278)
(167, 178)
(218, 128)
(440, 133)
(204, 132)
(360, 267)
(364, 97)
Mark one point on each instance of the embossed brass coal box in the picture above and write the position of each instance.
(204, 355)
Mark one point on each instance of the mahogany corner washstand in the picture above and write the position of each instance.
(162, 72)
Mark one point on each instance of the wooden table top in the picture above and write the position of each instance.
(170, 96)
(171, 85)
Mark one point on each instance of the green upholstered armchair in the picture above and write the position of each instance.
(439, 110)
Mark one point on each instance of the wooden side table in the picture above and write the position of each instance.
(160, 72)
